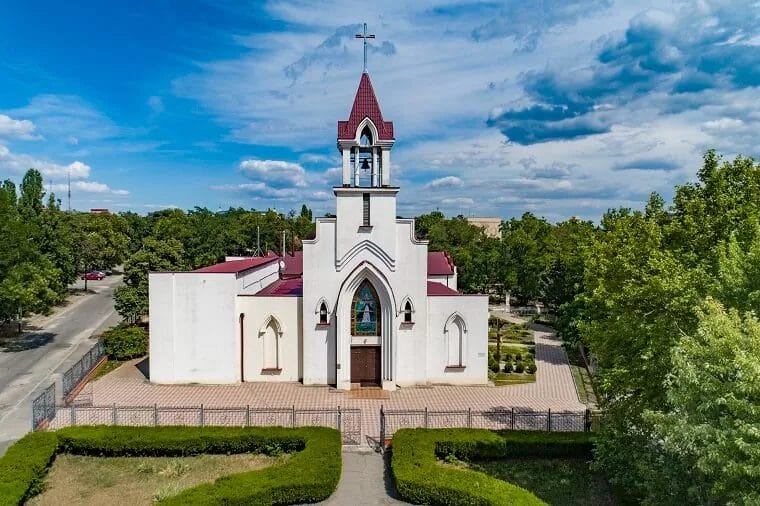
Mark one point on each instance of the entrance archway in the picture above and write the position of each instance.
(366, 322)
(383, 339)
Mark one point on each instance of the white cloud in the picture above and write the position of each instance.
(20, 163)
(88, 187)
(445, 182)
(274, 172)
(458, 201)
(156, 104)
(259, 189)
(15, 128)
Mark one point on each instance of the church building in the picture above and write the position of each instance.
(364, 304)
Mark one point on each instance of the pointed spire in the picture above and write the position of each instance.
(365, 106)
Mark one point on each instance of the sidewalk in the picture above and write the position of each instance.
(365, 479)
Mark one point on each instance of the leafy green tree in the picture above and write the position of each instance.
(712, 415)
(156, 255)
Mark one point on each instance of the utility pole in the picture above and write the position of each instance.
(69, 191)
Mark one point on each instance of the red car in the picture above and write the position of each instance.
(93, 276)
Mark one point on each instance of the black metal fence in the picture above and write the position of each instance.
(347, 421)
(43, 407)
(84, 365)
(506, 419)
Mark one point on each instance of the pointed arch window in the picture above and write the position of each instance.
(270, 335)
(365, 311)
(323, 314)
(366, 138)
(455, 333)
(408, 312)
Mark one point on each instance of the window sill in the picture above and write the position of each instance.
(323, 325)
(407, 324)
(365, 229)
(271, 370)
(455, 368)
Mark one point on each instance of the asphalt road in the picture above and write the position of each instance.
(30, 362)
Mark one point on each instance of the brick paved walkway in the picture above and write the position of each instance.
(553, 389)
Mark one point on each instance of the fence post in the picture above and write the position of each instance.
(293, 416)
(113, 415)
(512, 424)
(549, 420)
(426, 417)
(73, 414)
(202, 420)
(382, 427)
(339, 416)
(248, 415)
(469, 418)
(155, 415)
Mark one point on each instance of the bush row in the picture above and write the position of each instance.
(421, 479)
(23, 467)
(310, 475)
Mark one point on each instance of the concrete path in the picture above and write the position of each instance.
(30, 362)
(364, 480)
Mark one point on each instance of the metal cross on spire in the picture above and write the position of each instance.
(365, 36)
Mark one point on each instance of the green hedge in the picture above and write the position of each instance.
(125, 341)
(309, 475)
(421, 479)
(24, 465)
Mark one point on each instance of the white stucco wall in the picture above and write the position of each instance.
(341, 255)
(288, 313)
(473, 309)
(192, 328)
(254, 280)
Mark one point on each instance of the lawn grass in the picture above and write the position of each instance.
(76, 479)
(511, 378)
(106, 367)
(557, 481)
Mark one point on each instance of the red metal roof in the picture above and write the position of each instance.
(439, 263)
(237, 266)
(365, 106)
(434, 288)
(283, 288)
(293, 265)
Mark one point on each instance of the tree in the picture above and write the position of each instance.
(132, 299)
(712, 416)
(27, 288)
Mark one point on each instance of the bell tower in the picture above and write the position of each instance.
(365, 141)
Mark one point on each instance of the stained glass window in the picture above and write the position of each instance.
(365, 310)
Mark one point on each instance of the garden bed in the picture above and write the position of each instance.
(309, 474)
(93, 481)
(474, 466)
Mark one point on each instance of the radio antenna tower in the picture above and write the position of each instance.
(258, 252)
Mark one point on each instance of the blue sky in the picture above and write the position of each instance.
(559, 107)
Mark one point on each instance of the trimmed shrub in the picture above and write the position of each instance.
(124, 342)
(24, 465)
(309, 475)
(508, 367)
(493, 365)
(531, 369)
(420, 478)
(519, 367)
(518, 357)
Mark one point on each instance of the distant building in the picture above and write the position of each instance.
(98, 210)
(489, 225)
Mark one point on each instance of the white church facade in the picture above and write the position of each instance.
(363, 304)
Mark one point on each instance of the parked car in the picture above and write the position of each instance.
(93, 276)
(107, 271)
